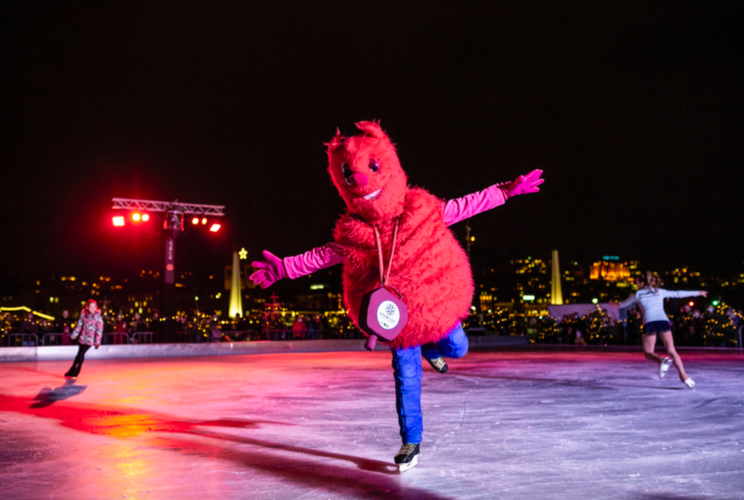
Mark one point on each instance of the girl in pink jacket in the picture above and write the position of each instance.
(89, 329)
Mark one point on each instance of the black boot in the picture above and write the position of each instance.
(439, 364)
(407, 457)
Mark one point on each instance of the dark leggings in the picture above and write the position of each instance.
(78, 363)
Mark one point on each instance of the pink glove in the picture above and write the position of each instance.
(524, 184)
(268, 272)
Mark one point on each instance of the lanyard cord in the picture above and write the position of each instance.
(385, 276)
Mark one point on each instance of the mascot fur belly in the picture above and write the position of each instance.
(430, 269)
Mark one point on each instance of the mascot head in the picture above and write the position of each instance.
(367, 173)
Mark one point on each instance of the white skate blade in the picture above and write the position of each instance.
(664, 367)
(410, 465)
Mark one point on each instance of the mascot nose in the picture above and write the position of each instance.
(359, 179)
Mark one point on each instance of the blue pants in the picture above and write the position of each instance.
(407, 372)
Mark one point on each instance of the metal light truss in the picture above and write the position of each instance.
(168, 206)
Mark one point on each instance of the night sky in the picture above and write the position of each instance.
(632, 109)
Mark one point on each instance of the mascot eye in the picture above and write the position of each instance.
(347, 174)
(374, 165)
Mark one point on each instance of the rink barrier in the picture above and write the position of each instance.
(133, 351)
(24, 338)
(141, 338)
(53, 338)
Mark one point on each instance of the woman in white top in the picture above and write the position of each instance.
(650, 299)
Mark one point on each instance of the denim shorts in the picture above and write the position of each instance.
(656, 327)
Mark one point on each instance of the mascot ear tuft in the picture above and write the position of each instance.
(372, 129)
(337, 140)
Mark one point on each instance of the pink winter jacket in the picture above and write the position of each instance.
(455, 211)
(89, 327)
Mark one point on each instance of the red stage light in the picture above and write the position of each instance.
(118, 220)
(692, 303)
(195, 220)
(145, 217)
(215, 227)
(136, 217)
(204, 221)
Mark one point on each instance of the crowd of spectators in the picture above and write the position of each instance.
(716, 326)
(713, 327)
(32, 328)
(193, 326)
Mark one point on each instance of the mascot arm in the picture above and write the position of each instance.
(313, 260)
(467, 206)
(274, 268)
(463, 208)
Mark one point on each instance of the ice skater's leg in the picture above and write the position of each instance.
(75, 362)
(407, 372)
(453, 345)
(668, 340)
(649, 342)
(79, 359)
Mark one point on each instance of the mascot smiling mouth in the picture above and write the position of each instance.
(375, 194)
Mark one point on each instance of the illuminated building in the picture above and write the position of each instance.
(610, 269)
(532, 279)
(486, 301)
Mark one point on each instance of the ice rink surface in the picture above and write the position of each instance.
(512, 424)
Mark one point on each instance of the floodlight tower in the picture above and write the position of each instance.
(173, 212)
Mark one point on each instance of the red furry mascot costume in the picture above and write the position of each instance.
(430, 269)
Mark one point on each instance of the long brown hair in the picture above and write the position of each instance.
(651, 280)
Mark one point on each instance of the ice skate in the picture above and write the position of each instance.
(664, 366)
(689, 382)
(407, 457)
(439, 364)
